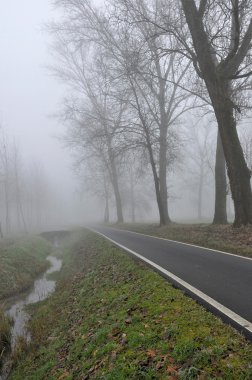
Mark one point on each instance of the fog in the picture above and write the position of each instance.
(30, 96)
(38, 83)
(125, 127)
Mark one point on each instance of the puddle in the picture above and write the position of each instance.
(41, 290)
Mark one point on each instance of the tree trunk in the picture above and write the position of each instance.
(114, 179)
(220, 213)
(163, 176)
(200, 190)
(106, 213)
(117, 196)
(238, 172)
(132, 198)
(7, 206)
(157, 187)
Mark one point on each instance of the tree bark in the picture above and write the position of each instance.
(220, 213)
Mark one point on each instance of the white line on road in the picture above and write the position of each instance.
(245, 325)
(180, 242)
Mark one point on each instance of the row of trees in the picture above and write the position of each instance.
(139, 72)
(23, 189)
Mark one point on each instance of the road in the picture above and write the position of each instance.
(222, 282)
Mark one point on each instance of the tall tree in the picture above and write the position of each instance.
(152, 82)
(230, 42)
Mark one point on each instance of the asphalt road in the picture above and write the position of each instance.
(227, 279)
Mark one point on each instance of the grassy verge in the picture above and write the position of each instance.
(223, 238)
(20, 262)
(113, 318)
(5, 336)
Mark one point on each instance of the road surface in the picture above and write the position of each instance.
(222, 282)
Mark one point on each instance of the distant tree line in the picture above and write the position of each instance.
(140, 73)
(24, 191)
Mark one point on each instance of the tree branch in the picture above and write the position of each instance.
(235, 62)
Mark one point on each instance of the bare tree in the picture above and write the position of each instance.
(17, 172)
(199, 161)
(95, 180)
(6, 177)
(227, 40)
(155, 83)
(94, 117)
(152, 83)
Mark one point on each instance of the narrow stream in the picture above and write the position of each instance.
(41, 290)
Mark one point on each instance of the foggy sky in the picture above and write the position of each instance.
(29, 94)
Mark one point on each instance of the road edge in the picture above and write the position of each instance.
(228, 316)
(183, 243)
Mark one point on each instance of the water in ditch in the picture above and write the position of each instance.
(42, 289)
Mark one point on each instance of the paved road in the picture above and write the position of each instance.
(227, 279)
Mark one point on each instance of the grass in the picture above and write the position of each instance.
(21, 261)
(5, 336)
(224, 238)
(113, 318)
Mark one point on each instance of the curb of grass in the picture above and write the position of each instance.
(228, 316)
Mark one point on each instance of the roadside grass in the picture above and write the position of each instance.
(113, 318)
(21, 261)
(220, 237)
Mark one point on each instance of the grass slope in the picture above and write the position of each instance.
(116, 319)
(224, 238)
(21, 260)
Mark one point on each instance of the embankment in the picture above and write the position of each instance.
(113, 318)
(21, 261)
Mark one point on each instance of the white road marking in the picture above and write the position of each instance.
(179, 242)
(246, 325)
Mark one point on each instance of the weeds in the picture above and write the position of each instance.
(5, 335)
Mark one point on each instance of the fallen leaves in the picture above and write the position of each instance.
(128, 321)
(171, 370)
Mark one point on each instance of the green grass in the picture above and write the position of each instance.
(21, 261)
(112, 318)
(220, 237)
(5, 336)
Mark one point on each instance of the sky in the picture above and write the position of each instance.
(29, 94)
